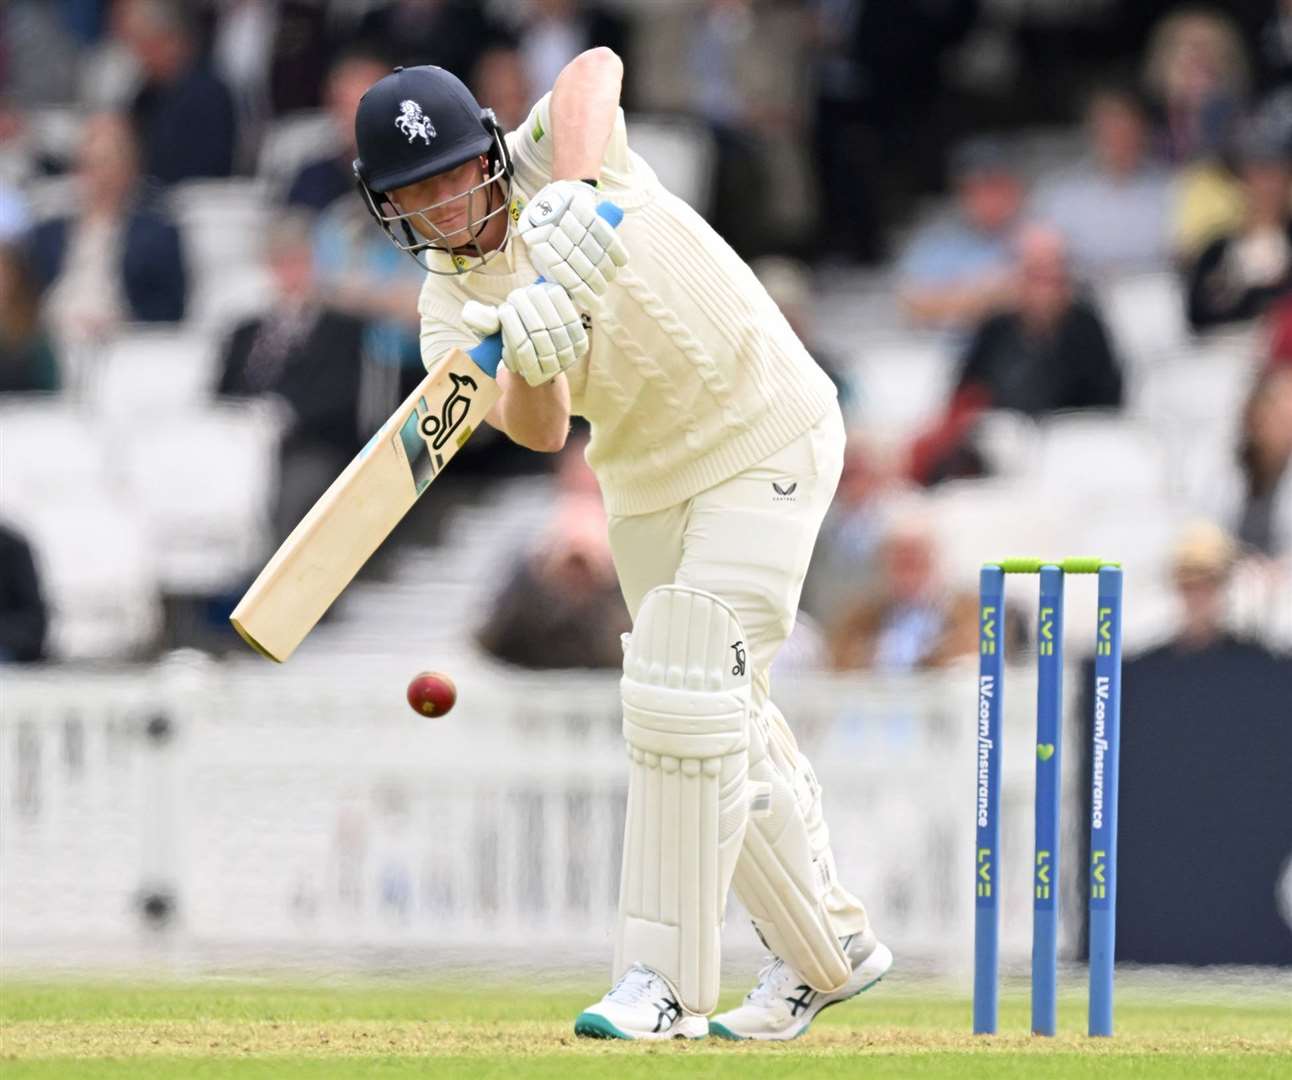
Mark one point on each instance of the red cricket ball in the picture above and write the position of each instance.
(431, 693)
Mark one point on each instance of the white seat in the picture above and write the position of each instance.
(50, 453)
(205, 198)
(292, 142)
(202, 481)
(95, 564)
(1138, 534)
(1145, 314)
(1007, 441)
(1092, 456)
(854, 305)
(1194, 400)
(148, 370)
(682, 153)
(51, 197)
(223, 222)
(903, 383)
(55, 130)
(978, 521)
(221, 301)
(1200, 387)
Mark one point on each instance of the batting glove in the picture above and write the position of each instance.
(569, 242)
(542, 334)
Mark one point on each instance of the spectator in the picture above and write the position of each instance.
(118, 258)
(14, 218)
(27, 360)
(733, 65)
(17, 160)
(1252, 494)
(1113, 209)
(1241, 272)
(84, 19)
(1050, 351)
(1264, 520)
(845, 560)
(183, 113)
(911, 620)
(955, 272)
(556, 31)
(242, 34)
(1047, 352)
(1280, 330)
(499, 78)
(789, 283)
(308, 357)
(40, 53)
(361, 273)
(274, 54)
(1202, 567)
(1276, 46)
(881, 68)
(1197, 73)
(321, 182)
(109, 74)
(23, 617)
(1208, 203)
(842, 143)
(302, 47)
(451, 34)
(561, 606)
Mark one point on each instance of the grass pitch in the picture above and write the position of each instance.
(219, 1029)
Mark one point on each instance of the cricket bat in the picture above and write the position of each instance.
(371, 496)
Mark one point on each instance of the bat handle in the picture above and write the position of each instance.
(488, 354)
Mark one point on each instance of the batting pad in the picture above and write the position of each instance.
(786, 869)
(686, 699)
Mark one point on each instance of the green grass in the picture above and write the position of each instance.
(217, 1029)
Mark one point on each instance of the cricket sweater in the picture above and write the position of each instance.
(692, 375)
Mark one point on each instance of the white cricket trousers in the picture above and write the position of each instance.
(748, 540)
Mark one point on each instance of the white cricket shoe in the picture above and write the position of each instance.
(781, 1005)
(641, 1005)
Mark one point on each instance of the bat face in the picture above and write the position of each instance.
(364, 503)
(426, 432)
(351, 519)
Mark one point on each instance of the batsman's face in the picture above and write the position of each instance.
(447, 209)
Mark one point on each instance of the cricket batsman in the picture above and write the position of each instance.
(717, 443)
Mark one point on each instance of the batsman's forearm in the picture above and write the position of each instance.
(536, 417)
(585, 102)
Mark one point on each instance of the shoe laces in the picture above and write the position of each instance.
(636, 983)
(774, 979)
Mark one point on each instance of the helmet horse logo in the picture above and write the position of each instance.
(414, 123)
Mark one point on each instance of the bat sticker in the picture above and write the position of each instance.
(454, 410)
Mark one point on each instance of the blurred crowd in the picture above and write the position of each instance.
(839, 137)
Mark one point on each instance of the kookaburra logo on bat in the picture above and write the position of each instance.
(454, 410)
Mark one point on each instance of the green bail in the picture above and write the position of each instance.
(1077, 564)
